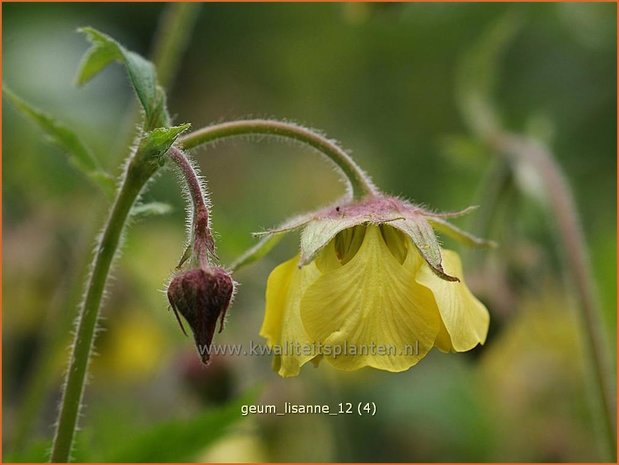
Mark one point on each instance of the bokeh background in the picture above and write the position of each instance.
(382, 80)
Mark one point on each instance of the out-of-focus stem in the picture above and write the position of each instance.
(499, 180)
(172, 38)
(474, 87)
(561, 204)
(359, 182)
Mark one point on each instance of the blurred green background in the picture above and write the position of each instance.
(381, 79)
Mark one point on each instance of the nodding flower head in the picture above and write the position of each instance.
(201, 296)
(371, 286)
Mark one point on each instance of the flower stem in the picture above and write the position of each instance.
(134, 180)
(360, 184)
(203, 243)
(561, 204)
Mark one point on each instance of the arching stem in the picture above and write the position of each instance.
(360, 184)
(203, 243)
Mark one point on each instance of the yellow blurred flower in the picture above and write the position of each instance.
(132, 349)
(369, 298)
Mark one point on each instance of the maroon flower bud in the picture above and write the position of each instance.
(202, 296)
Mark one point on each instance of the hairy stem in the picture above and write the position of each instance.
(170, 42)
(561, 205)
(203, 243)
(358, 181)
(132, 184)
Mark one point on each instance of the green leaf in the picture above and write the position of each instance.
(179, 440)
(156, 143)
(151, 209)
(64, 137)
(141, 72)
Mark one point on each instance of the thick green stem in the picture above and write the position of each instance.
(170, 43)
(359, 182)
(133, 182)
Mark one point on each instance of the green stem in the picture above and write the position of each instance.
(172, 38)
(562, 206)
(171, 41)
(491, 196)
(359, 182)
(135, 178)
(498, 182)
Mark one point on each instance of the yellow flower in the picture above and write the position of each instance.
(369, 297)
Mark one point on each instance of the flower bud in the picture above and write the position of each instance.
(202, 297)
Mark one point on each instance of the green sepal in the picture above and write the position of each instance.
(319, 232)
(458, 234)
(422, 235)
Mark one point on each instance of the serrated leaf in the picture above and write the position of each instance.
(142, 74)
(179, 440)
(64, 137)
(151, 209)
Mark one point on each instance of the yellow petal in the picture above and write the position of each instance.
(348, 242)
(327, 258)
(466, 319)
(443, 340)
(282, 325)
(372, 309)
(397, 243)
